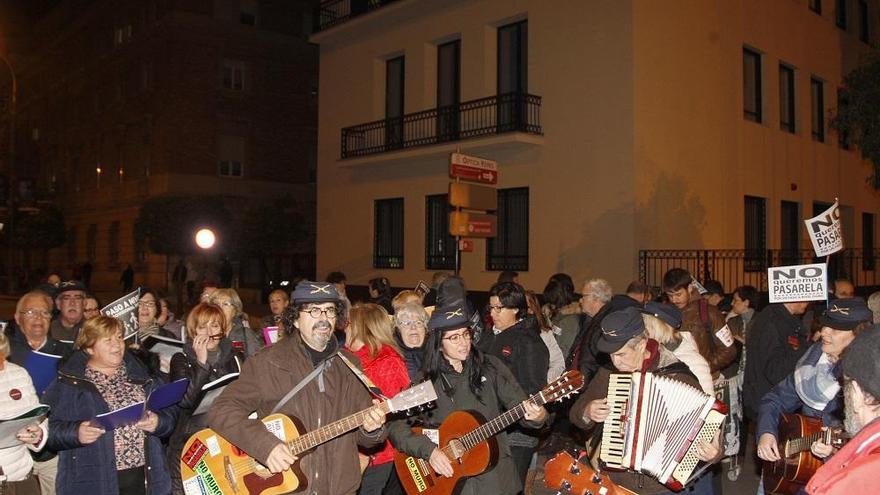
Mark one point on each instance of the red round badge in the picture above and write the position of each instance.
(15, 394)
(506, 351)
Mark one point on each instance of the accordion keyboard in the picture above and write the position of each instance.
(613, 447)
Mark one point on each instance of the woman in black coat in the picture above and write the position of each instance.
(207, 356)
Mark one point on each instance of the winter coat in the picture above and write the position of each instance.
(521, 349)
(568, 319)
(776, 339)
(584, 355)
(688, 353)
(500, 391)
(15, 461)
(388, 372)
(783, 398)
(60, 332)
(92, 468)
(20, 349)
(664, 364)
(412, 356)
(702, 320)
(186, 365)
(244, 338)
(853, 469)
(332, 467)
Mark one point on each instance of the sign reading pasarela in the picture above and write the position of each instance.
(798, 283)
(825, 231)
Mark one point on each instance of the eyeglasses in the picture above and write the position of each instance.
(90, 310)
(495, 308)
(460, 337)
(147, 304)
(68, 297)
(227, 304)
(410, 324)
(35, 313)
(317, 312)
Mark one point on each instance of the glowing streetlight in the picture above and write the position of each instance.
(205, 238)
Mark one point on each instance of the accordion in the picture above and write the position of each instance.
(653, 425)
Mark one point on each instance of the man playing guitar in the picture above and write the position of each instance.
(332, 393)
(465, 379)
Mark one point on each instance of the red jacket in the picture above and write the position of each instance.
(854, 469)
(387, 370)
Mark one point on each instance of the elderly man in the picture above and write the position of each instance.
(32, 315)
(623, 337)
(309, 364)
(69, 298)
(854, 469)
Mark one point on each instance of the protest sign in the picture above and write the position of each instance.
(125, 309)
(798, 283)
(825, 231)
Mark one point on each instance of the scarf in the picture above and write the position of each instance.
(815, 379)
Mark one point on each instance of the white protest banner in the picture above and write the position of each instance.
(798, 283)
(826, 231)
(125, 309)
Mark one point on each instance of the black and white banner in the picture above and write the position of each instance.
(826, 231)
(125, 309)
(798, 283)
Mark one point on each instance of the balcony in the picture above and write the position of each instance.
(504, 113)
(335, 12)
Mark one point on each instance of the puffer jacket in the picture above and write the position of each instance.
(688, 353)
(185, 365)
(853, 469)
(15, 461)
(332, 467)
(92, 468)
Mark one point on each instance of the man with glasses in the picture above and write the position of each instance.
(91, 307)
(33, 313)
(330, 391)
(69, 299)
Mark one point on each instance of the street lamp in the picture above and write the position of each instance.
(205, 238)
(11, 161)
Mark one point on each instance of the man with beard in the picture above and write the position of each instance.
(69, 298)
(855, 467)
(813, 389)
(330, 391)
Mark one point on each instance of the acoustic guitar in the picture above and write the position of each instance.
(797, 464)
(213, 466)
(568, 475)
(467, 439)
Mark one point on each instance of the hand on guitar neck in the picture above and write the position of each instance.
(281, 458)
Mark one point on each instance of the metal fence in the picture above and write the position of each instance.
(334, 12)
(506, 112)
(735, 267)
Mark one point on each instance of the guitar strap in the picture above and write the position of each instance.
(302, 383)
(371, 387)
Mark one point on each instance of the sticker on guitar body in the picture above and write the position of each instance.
(418, 479)
(208, 479)
(276, 427)
(194, 486)
(213, 445)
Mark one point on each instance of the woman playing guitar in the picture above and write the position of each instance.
(465, 379)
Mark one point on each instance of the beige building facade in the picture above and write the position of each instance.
(656, 126)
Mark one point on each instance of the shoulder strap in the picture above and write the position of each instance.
(302, 383)
(704, 315)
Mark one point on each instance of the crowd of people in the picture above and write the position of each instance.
(335, 357)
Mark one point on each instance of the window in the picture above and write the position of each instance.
(92, 243)
(868, 241)
(121, 34)
(233, 75)
(394, 92)
(755, 234)
(816, 6)
(146, 76)
(790, 228)
(840, 14)
(72, 253)
(817, 109)
(513, 76)
(864, 22)
(248, 10)
(439, 245)
(752, 85)
(448, 90)
(509, 250)
(786, 98)
(842, 135)
(230, 156)
(113, 243)
(388, 233)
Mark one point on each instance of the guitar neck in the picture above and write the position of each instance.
(329, 432)
(491, 428)
(801, 444)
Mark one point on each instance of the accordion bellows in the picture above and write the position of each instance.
(654, 423)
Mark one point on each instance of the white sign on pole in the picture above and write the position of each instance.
(826, 231)
(125, 309)
(798, 283)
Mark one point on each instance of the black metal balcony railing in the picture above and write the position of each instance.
(509, 112)
(334, 12)
(735, 267)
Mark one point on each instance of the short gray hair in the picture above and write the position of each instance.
(413, 311)
(599, 289)
(38, 294)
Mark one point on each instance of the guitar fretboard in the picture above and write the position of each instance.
(491, 428)
(801, 444)
(332, 430)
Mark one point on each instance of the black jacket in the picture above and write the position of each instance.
(520, 348)
(584, 355)
(413, 356)
(185, 365)
(776, 339)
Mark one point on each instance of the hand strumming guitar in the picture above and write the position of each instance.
(440, 463)
(767, 448)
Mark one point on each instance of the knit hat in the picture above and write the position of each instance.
(314, 292)
(619, 327)
(861, 361)
(846, 314)
(449, 318)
